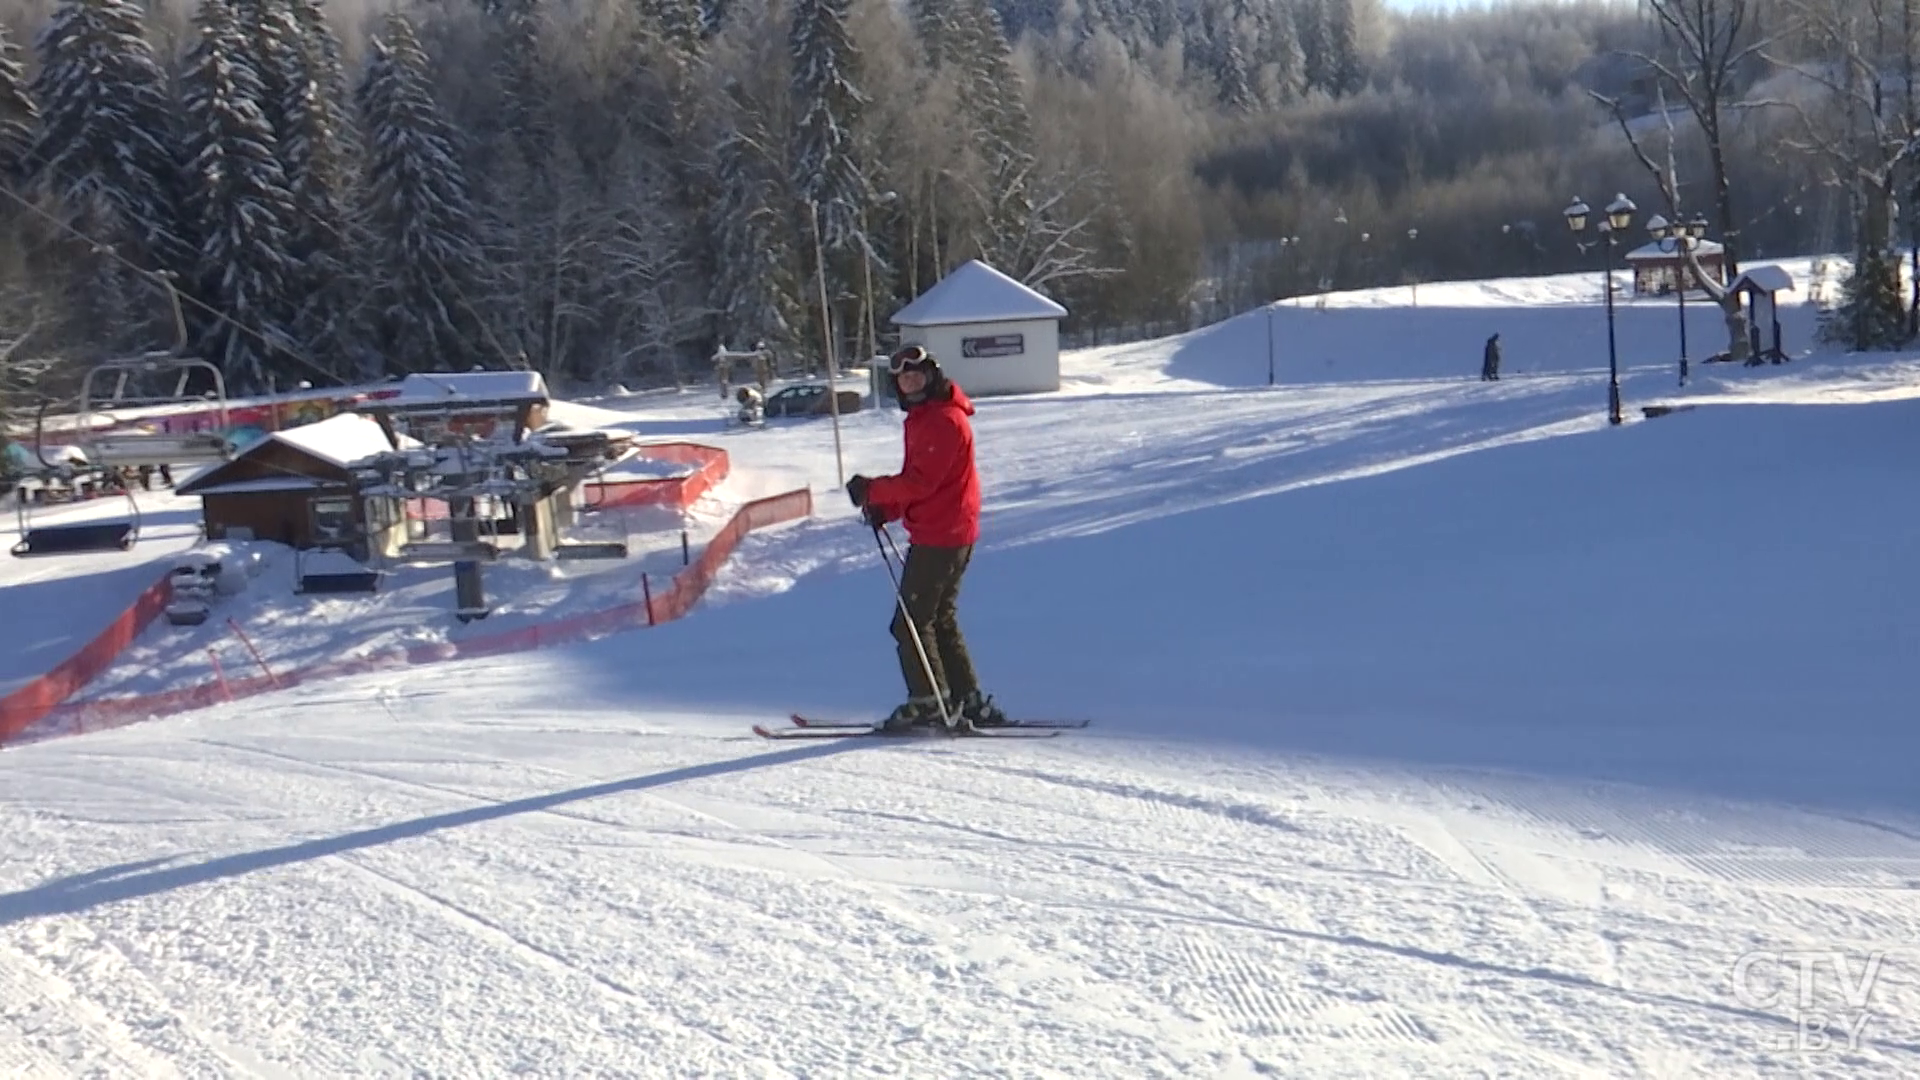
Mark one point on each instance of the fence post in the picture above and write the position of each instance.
(219, 675)
(686, 548)
(242, 635)
(646, 592)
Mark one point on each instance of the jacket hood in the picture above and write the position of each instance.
(958, 398)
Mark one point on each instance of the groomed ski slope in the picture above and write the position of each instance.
(1440, 731)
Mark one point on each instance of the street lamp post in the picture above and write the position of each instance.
(1685, 235)
(1619, 218)
(1270, 372)
(1414, 285)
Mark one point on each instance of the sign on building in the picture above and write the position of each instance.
(994, 345)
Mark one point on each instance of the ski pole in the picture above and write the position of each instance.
(913, 628)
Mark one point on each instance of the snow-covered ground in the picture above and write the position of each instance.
(55, 604)
(1441, 730)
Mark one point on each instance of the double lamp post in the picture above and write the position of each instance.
(1619, 218)
(1684, 234)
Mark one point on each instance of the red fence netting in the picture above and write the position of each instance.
(672, 603)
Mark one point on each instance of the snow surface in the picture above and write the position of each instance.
(1442, 730)
(51, 605)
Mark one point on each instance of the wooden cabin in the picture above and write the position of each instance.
(295, 487)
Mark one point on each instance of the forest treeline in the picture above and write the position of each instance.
(607, 190)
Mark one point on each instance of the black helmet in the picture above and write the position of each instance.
(916, 358)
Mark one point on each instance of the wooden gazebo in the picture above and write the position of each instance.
(1659, 267)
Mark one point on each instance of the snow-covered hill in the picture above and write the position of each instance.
(1441, 730)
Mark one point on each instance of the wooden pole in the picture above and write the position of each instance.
(826, 336)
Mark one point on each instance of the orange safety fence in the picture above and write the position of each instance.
(26, 705)
(710, 466)
(669, 604)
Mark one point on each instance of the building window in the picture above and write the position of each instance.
(333, 521)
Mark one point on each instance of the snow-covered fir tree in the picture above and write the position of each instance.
(752, 290)
(827, 105)
(992, 91)
(18, 115)
(420, 216)
(242, 205)
(525, 87)
(524, 219)
(933, 21)
(1279, 67)
(681, 23)
(105, 140)
(316, 146)
(270, 44)
(1870, 314)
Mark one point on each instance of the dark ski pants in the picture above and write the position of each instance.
(930, 585)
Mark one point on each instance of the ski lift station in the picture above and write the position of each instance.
(991, 334)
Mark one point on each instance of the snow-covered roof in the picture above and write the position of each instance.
(463, 386)
(977, 293)
(1768, 279)
(341, 439)
(1667, 249)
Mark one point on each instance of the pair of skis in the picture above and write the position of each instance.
(809, 728)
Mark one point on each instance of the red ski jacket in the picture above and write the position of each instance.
(937, 490)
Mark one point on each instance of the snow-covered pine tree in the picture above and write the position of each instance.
(933, 21)
(17, 113)
(316, 148)
(1345, 73)
(418, 210)
(105, 139)
(521, 214)
(682, 24)
(648, 241)
(242, 203)
(1279, 68)
(525, 89)
(827, 104)
(1870, 314)
(1313, 27)
(270, 45)
(752, 287)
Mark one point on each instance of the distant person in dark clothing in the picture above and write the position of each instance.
(1490, 361)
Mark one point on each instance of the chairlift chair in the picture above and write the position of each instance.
(311, 581)
(76, 537)
(132, 381)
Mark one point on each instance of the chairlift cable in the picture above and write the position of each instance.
(107, 249)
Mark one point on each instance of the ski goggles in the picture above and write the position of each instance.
(913, 357)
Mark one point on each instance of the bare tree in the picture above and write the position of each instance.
(1705, 49)
(1863, 121)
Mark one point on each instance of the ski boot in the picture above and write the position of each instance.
(914, 712)
(978, 710)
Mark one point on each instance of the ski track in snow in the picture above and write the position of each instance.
(1170, 919)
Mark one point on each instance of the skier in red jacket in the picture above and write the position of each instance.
(937, 493)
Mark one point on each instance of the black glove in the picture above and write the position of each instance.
(857, 490)
(874, 516)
